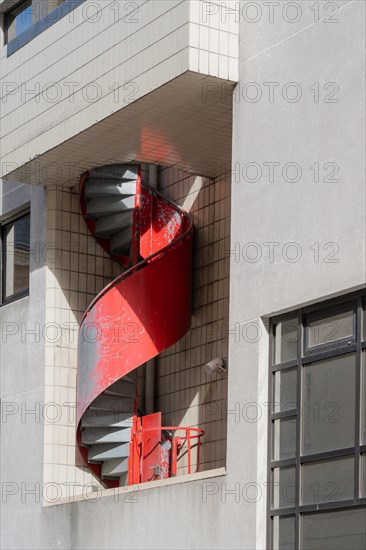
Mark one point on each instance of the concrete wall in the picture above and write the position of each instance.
(22, 380)
(325, 220)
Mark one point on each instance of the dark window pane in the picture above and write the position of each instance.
(286, 341)
(284, 487)
(327, 481)
(17, 244)
(363, 476)
(341, 530)
(331, 329)
(284, 438)
(284, 533)
(328, 412)
(285, 390)
(363, 399)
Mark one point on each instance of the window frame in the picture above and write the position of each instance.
(9, 14)
(38, 26)
(357, 302)
(5, 300)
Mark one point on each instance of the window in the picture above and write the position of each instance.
(18, 20)
(25, 14)
(15, 258)
(317, 468)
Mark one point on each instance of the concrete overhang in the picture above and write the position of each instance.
(165, 94)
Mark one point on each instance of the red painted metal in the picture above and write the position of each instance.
(150, 447)
(134, 321)
(155, 461)
(134, 460)
(141, 313)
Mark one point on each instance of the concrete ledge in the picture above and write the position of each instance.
(97, 495)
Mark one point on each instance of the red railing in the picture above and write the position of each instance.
(147, 451)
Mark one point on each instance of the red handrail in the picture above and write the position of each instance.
(176, 439)
(183, 214)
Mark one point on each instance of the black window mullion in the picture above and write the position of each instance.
(355, 344)
(358, 391)
(298, 428)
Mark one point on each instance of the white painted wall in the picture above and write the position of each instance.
(307, 131)
(95, 62)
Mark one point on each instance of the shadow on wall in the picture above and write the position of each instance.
(186, 395)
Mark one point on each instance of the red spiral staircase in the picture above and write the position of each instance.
(144, 311)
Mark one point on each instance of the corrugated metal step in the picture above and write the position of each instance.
(115, 467)
(115, 171)
(109, 188)
(123, 388)
(98, 453)
(111, 205)
(113, 403)
(106, 226)
(121, 242)
(93, 436)
(95, 418)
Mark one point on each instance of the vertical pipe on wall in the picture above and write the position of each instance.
(150, 365)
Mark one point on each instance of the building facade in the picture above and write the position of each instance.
(183, 302)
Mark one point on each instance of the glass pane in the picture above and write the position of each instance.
(285, 390)
(330, 329)
(327, 481)
(286, 341)
(341, 530)
(19, 20)
(284, 487)
(363, 475)
(284, 533)
(363, 399)
(284, 438)
(17, 244)
(328, 413)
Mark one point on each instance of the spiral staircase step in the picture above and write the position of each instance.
(94, 436)
(121, 242)
(109, 188)
(113, 403)
(110, 205)
(115, 468)
(104, 419)
(99, 453)
(115, 171)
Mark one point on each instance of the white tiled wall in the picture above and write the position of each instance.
(186, 395)
(65, 80)
(77, 269)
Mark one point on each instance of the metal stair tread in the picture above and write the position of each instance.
(109, 188)
(109, 205)
(96, 436)
(121, 241)
(113, 403)
(108, 451)
(109, 225)
(115, 171)
(99, 418)
(115, 467)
